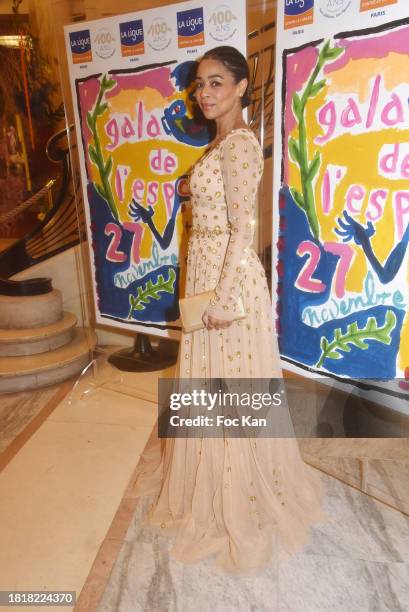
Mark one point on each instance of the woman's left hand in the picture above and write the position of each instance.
(213, 323)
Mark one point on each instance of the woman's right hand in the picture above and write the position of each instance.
(214, 323)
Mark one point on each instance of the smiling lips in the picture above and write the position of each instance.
(207, 106)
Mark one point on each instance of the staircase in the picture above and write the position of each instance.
(39, 343)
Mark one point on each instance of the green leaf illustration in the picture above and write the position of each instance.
(333, 355)
(314, 166)
(294, 150)
(357, 337)
(93, 154)
(89, 121)
(315, 89)
(325, 48)
(150, 292)
(110, 83)
(297, 105)
(108, 166)
(324, 343)
(298, 149)
(298, 199)
(334, 53)
(95, 150)
(107, 82)
(100, 191)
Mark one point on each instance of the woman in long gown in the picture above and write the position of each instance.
(228, 496)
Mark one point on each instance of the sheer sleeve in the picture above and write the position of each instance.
(241, 166)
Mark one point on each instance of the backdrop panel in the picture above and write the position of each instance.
(139, 133)
(341, 192)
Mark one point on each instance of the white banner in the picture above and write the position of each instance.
(139, 133)
(341, 196)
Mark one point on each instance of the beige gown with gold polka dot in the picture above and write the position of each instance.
(229, 497)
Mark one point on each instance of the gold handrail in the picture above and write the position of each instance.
(24, 205)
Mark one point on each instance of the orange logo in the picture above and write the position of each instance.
(370, 5)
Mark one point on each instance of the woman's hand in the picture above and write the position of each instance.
(213, 323)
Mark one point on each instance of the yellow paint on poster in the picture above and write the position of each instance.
(140, 169)
(358, 154)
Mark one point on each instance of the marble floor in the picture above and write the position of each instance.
(21, 412)
(69, 518)
(67, 456)
(357, 562)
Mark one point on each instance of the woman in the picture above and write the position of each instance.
(228, 496)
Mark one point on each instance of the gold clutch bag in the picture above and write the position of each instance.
(192, 309)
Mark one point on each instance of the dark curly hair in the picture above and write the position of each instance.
(236, 63)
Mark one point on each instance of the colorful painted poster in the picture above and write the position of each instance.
(343, 204)
(140, 132)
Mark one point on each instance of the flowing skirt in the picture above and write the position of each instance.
(230, 497)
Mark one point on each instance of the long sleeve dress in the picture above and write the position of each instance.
(229, 496)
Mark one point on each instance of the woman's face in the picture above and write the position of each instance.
(217, 93)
